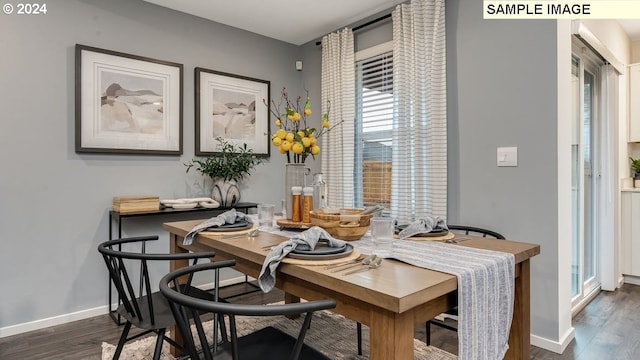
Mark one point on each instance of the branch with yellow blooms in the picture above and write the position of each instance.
(293, 135)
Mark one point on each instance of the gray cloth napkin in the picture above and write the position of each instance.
(424, 225)
(227, 217)
(308, 238)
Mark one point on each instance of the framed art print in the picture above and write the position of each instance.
(230, 107)
(127, 104)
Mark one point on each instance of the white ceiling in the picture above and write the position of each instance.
(292, 21)
(300, 21)
(632, 28)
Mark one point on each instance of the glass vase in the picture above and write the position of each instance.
(294, 176)
(319, 192)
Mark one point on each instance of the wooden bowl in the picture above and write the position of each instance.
(348, 225)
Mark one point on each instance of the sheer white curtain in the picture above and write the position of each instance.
(419, 175)
(338, 89)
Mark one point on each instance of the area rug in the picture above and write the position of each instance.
(332, 334)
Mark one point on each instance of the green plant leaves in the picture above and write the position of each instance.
(233, 162)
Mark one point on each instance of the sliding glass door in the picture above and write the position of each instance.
(585, 172)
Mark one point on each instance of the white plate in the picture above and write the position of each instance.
(348, 250)
(209, 205)
(185, 206)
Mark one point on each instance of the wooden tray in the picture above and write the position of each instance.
(339, 227)
(288, 224)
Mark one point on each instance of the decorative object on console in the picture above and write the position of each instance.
(226, 168)
(190, 203)
(129, 204)
(226, 192)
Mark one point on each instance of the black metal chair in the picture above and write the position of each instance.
(267, 343)
(466, 230)
(140, 306)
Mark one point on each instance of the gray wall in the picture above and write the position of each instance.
(55, 202)
(501, 80)
(501, 92)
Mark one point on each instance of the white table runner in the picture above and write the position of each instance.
(485, 291)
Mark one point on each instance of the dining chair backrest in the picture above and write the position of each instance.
(122, 267)
(128, 263)
(475, 231)
(185, 306)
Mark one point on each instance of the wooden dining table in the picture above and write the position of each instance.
(391, 299)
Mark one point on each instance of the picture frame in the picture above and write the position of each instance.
(127, 104)
(231, 107)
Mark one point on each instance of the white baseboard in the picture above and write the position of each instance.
(52, 321)
(630, 279)
(557, 347)
(78, 315)
(620, 281)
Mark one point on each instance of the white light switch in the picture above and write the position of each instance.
(507, 156)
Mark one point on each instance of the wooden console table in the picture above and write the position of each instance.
(116, 217)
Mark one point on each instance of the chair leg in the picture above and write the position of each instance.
(123, 339)
(428, 332)
(159, 341)
(359, 328)
(223, 330)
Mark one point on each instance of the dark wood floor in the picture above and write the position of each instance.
(609, 328)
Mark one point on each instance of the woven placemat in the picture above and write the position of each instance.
(354, 255)
(225, 233)
(448, 236)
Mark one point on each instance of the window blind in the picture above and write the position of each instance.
(374, 121)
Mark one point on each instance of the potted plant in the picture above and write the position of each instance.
(635, 165)
(226, 168)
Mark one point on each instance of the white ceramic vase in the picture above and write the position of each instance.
(226, 193)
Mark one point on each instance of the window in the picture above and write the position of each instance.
(397, 135)
(374, 120)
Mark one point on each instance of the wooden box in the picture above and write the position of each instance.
(128, 204)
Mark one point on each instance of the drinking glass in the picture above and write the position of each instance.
(265, 215)
(382, 230)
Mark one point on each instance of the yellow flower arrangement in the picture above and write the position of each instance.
(294, 136)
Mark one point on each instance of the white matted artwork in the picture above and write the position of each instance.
(127, 104)
(230, 107)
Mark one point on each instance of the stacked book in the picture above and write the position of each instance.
(127, 204)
